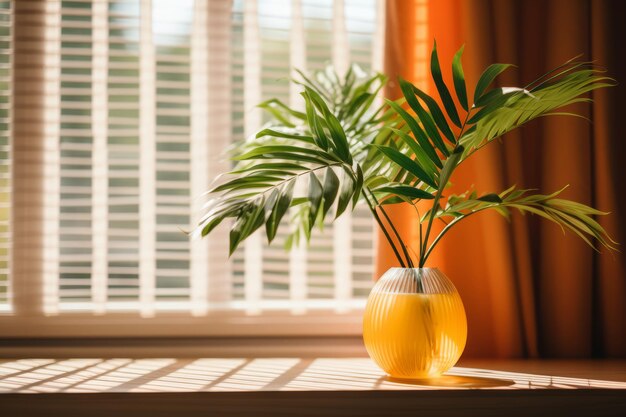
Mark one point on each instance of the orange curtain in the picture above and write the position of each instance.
(528, 290)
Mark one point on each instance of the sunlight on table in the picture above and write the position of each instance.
(240, 374)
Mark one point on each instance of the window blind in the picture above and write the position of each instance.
(141, 99)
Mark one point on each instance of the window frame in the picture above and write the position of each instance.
(217, 323)
(26, 315)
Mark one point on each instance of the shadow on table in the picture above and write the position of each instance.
(452, 381)
(94, 375)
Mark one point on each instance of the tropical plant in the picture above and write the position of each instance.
(346, 146)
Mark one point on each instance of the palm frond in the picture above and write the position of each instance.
(429, 143)
(569, 215)
(504, 109)
(346, 146)
(301, 160)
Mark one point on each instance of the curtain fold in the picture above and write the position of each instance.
(529, 290)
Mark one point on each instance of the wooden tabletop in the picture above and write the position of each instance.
(305, 386)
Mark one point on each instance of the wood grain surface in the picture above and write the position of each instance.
(305, 387)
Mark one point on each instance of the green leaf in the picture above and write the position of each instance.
(487, 78)
(358, 186)
(264, 150)
(235, 236)
(575, 206)
(449, 165)
(312, 84)
(503, 211)
(506, 193)
(287, 152)
(359, 101)
(336, 131)
(392, 200)
(278, 115)
(569, 65)
(256, 219)
(408, 164)
(511, 110)
(271, 200)
(439, 120)
(430, 123)
(285, 166)
(418, 133)
(444, 93)
(288, 246)
(345, 194)
(331, 188)
(339, 138)
(279, 134)
(211, 224)
(406, 191)
(316, 127)
(459, 79)
(499, 96)
(490, 198)
(374, 181)
(302, 158)
(298, 201)
(348, 82)
(246, 225)
(252, 180)
(256, 188)
(315, 195)
(275, 106)
(279, 210)
(420, 157)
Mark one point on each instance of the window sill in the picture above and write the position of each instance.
(184, 347)
(219, 323)
(306, 387)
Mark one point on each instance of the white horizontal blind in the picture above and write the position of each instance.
(172, 24)
(143, 98)
(123, 90)
(298, 271)
(365, 28)
(278, 30)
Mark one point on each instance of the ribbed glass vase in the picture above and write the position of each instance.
(414, 324)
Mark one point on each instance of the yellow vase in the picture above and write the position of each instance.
(414, 324)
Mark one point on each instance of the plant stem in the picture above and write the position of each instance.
(431, 218)
(439, 236)
(419, 221)
(395, 231)
(435, 208)
(447, 228)
(384, 230)
(372, 207)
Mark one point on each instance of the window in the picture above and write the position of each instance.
(141, 98)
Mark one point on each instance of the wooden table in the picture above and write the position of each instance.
(305, 387)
